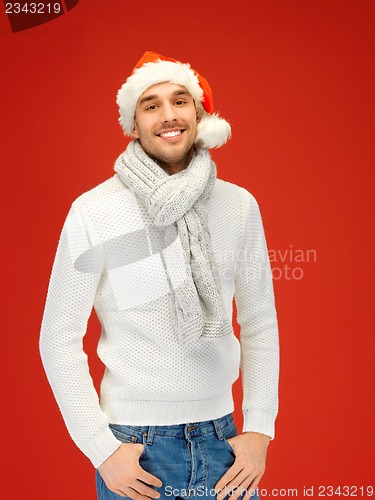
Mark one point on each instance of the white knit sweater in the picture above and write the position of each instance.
(111, 257)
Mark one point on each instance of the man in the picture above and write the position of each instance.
(159, 250)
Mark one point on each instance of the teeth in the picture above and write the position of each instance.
(171, 134)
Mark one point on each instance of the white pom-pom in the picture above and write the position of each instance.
(213, 131)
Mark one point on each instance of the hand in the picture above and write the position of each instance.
(123, 475)
(250, 449)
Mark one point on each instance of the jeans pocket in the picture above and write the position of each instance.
(228, 432)
(125, 436)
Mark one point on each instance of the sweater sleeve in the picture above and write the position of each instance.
(257, 317)
(75, 276)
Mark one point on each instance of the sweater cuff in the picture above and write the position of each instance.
(101, 447)
(258, 421)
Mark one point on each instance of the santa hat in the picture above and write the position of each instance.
(153, 68)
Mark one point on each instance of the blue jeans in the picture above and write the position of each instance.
(189, 458)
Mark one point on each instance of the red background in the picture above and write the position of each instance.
(294, 78)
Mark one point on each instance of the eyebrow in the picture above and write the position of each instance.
(155, 96)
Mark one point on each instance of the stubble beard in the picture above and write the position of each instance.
(171, 163)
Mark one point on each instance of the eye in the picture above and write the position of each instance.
(151, 108)
(179, 102)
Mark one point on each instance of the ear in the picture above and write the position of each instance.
(199, 113)
(134, 132)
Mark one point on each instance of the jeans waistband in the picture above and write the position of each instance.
(189, 429)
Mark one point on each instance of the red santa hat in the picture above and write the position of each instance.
(213, 131)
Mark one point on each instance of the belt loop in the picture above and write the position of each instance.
(218, 430)
(150, 434)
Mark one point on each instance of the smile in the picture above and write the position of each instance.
(170, 134)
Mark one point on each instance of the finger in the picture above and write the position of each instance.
(134, 494)
(249, 493)
(118, 492)
(144, 489)
(254, 483)
(148, 478)
(242, 488)
(231, 473)
(242, 477)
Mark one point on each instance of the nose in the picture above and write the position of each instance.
(168, 113)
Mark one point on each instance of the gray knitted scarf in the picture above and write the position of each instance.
(178, 200)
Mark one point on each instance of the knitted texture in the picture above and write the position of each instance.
(110, 256)
(179, 199)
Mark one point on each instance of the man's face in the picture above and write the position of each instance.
(166, 125)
